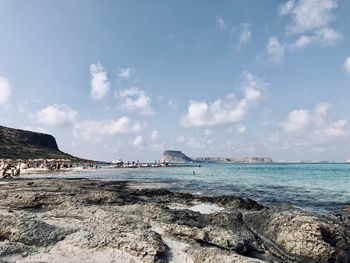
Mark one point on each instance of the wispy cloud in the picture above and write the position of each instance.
(201, 141)
(347, 65)
(275, 50)
(220, 22)
(135, 99)
(310, 24)
(125, 73)
(241, 128)
(100, 84)
(154, 135)
(245, 35)
(138, 141)
(326, 36)
(5, 90)
(307, 15)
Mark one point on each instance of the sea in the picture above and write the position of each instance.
(317, 188)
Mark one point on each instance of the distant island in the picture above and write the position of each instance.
(253, 159)
(171, 156)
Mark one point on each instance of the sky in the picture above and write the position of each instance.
(130, 79)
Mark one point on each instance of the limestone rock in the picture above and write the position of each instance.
(216, 255)
(295, 236)
(30, 232)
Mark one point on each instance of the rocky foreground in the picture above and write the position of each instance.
(61, 220)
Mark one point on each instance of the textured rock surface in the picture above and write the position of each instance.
(61, 220)
(30, 232)
(296, 236)
(215, 255)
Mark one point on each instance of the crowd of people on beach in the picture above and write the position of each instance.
(13, 168)
(9, 170)
(137, 164)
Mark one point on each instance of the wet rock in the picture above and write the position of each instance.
(295, 236)
(234, 202)
(346, 210)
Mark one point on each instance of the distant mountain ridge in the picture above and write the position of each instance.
(179, 157)
(22, 144)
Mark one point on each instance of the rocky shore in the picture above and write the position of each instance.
(77, 220)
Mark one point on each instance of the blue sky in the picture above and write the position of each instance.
(130, 79)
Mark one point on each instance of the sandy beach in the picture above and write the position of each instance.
(80, 220)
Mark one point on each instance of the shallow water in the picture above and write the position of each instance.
(319, 188)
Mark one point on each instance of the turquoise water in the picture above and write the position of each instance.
(320, 188)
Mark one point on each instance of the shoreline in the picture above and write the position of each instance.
(55, 219)
(83, 173)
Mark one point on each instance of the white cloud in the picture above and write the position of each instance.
(231, 110)
(125, 72)
(154, 135)
(221, 23)
(297, 121)
(91, 130)
(241, 128)
(286, 8)
(5, 90)
(135, 99)
(276, 50)
(313, 129)
(138, 141)
(172, 105)
(325, 36)
(100, 84)
(308, 15)
(309, 25)
(207, 132)
(328, 36)
(315, 124)
(56, 115)
(347, 65)
(245, 36)
(302, 42)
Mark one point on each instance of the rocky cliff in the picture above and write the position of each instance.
(175, 157)
(21, 144)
